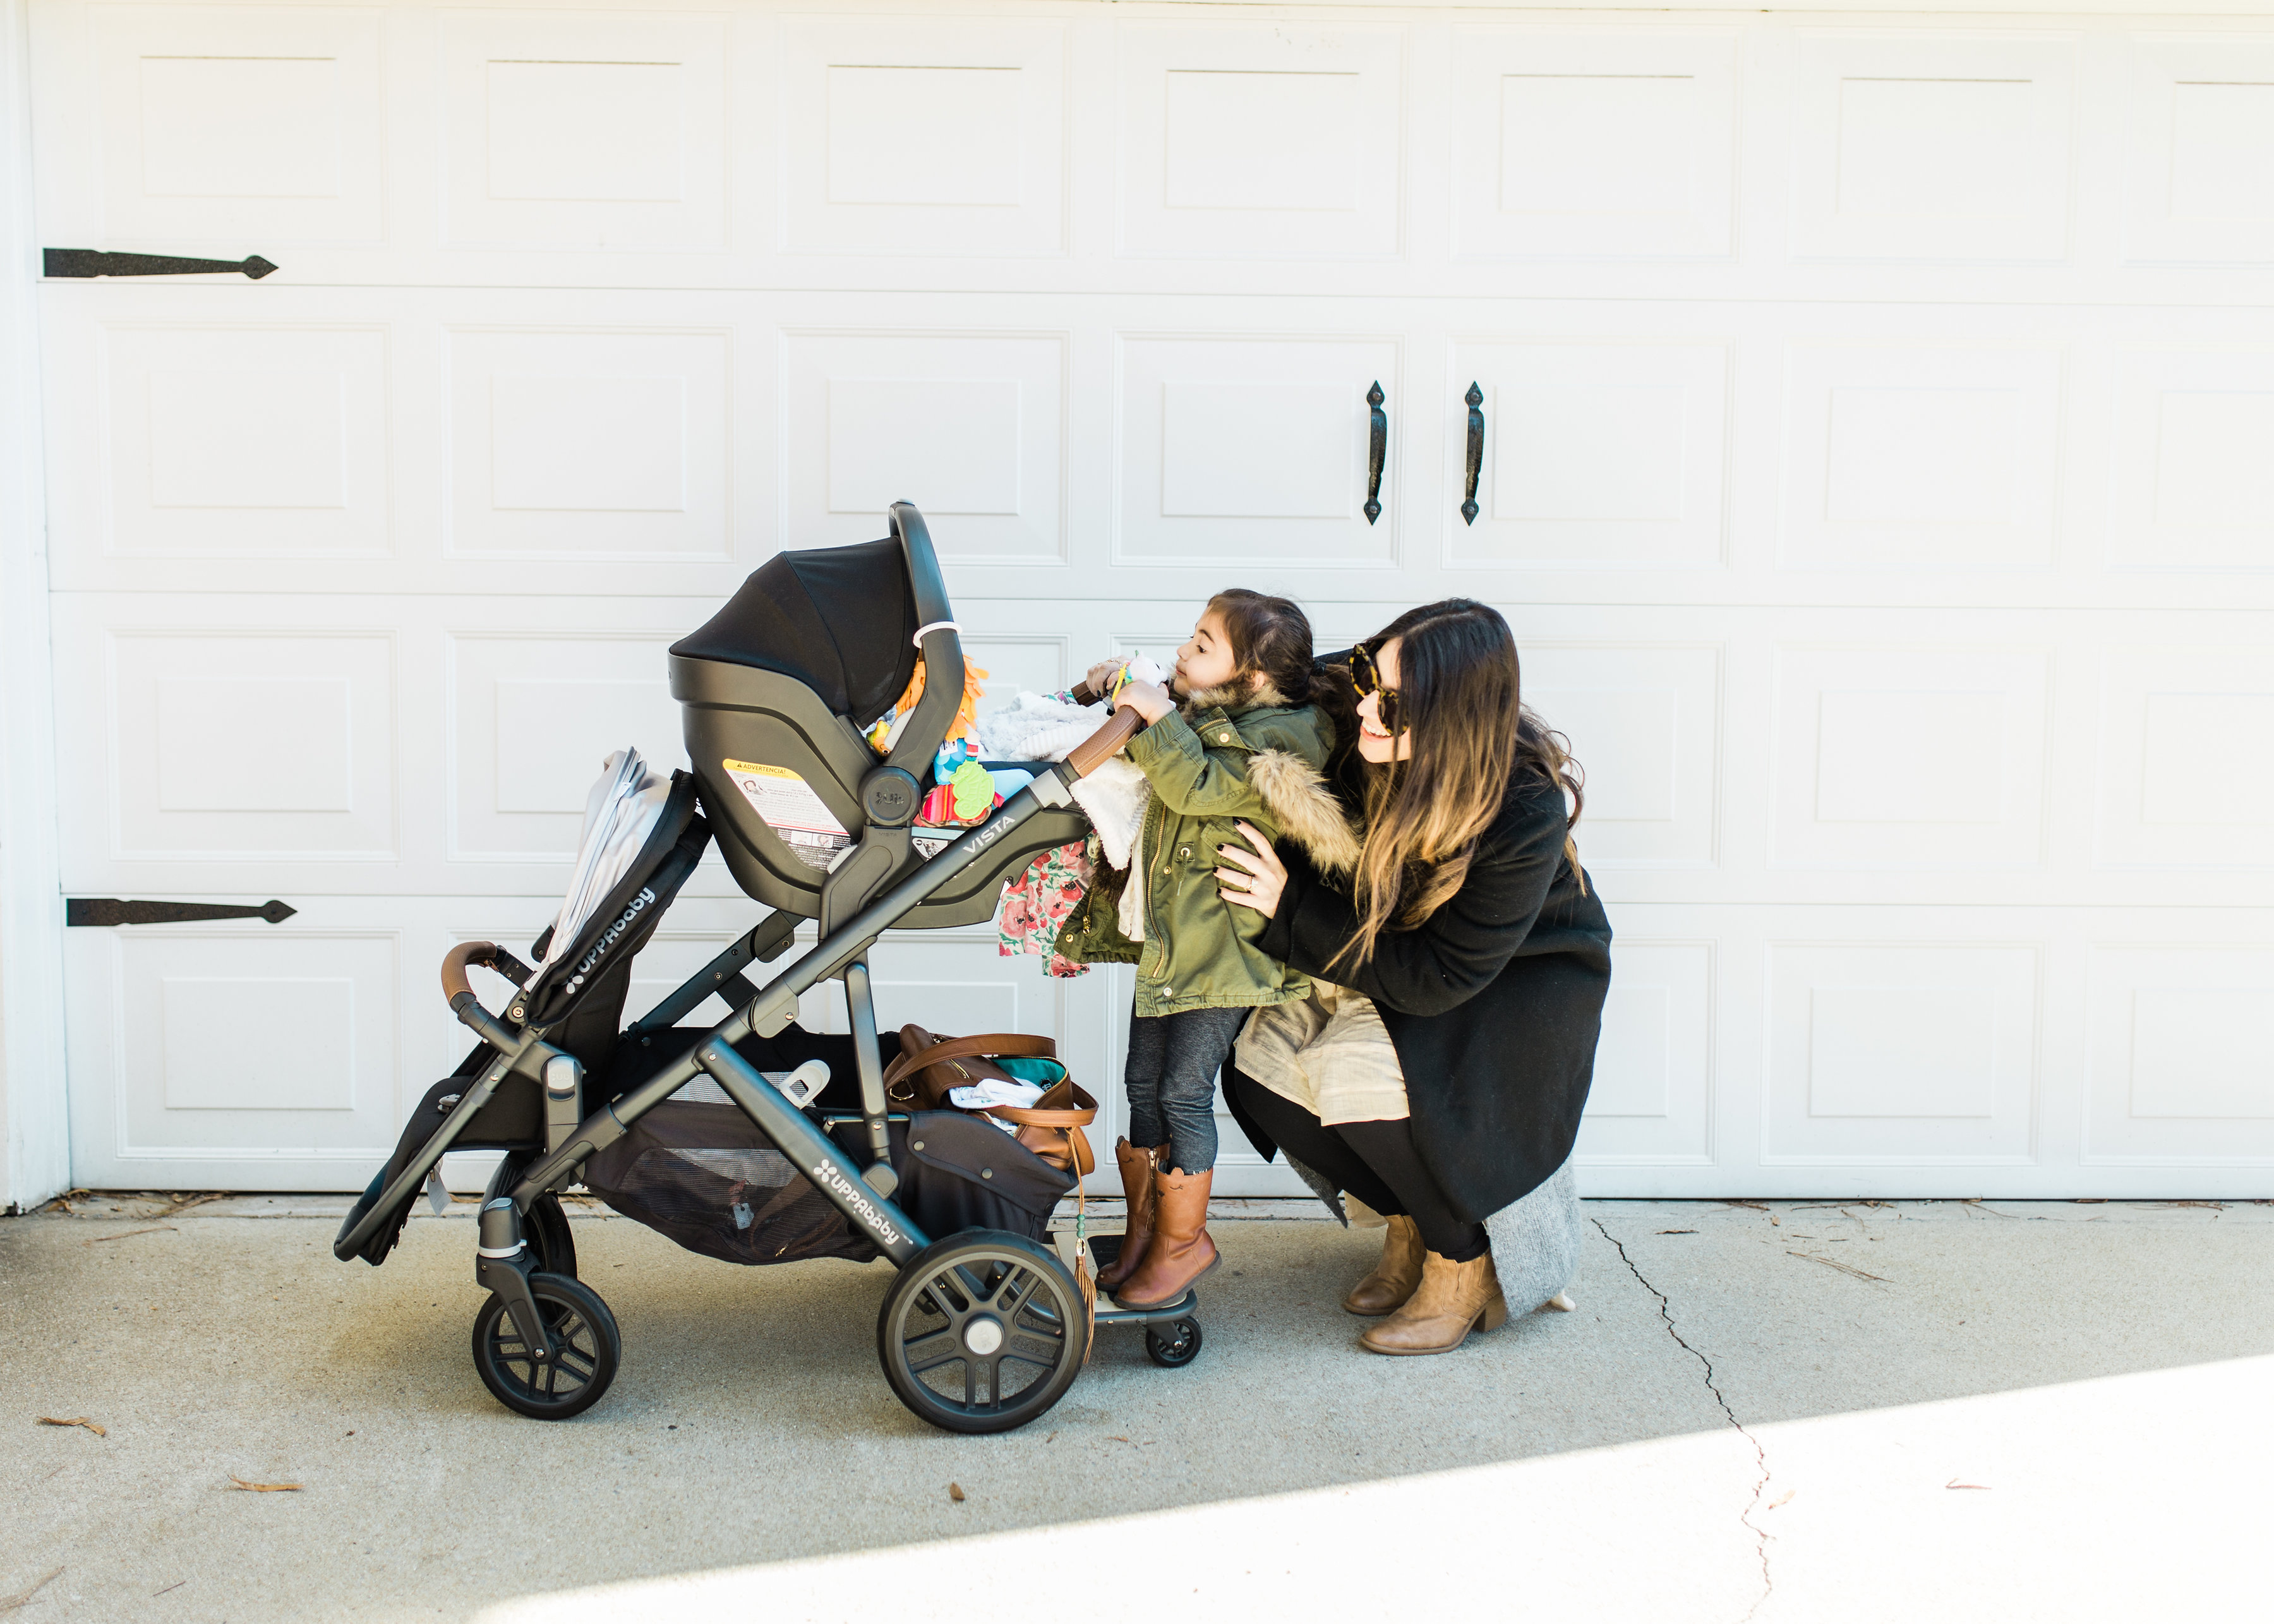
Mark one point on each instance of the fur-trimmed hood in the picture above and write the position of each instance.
(1306, 808)
(1309, 812)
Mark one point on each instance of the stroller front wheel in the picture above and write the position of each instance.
(982, 1332)
(587, 1348)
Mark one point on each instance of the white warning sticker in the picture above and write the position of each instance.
(792, 810)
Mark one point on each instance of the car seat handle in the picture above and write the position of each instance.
(939, 638)
(1106, 743)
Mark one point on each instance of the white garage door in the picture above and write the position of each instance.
(1874, 418)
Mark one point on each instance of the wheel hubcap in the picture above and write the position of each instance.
(983, 1336)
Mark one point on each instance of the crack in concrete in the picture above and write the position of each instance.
(1760, 1456)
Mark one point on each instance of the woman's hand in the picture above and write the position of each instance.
(1149, 700)
(1258, 879)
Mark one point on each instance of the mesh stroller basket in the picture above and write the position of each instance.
(697, 1171)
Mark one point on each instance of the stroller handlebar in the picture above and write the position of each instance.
(1102, 746)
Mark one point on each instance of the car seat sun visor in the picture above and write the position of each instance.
(839, 620)
(621, 813)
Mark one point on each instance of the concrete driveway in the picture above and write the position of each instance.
(1941, 1411)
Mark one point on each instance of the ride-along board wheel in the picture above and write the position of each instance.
(982, 1332)
(586, 1345)
(1174, 1344)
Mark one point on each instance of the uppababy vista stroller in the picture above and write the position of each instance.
(697, 1132)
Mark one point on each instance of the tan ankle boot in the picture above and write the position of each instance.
(1394, 1277)
(1137, 1186)
(1454, 1299)
(1181, 1252)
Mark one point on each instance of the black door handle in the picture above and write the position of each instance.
(1475, 397)
(86, 262)
(112, 910)
(1377, 441)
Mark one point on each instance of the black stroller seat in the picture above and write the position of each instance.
(777, 688)
(704, 1134)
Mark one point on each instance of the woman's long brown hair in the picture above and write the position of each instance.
(1460, 698)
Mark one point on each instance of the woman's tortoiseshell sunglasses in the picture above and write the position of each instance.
(1366, 677)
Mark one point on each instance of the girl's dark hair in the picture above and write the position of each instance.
(1460, 695)
(1270, 638)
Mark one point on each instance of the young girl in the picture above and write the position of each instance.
(1236, 735)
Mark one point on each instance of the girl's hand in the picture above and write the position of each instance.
(1257, 879)
(1149, 700)
(1099, 678)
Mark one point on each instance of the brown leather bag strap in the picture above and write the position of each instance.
(1084, 1113)
(1015, 1045)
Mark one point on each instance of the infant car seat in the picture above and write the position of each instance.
(776, 690)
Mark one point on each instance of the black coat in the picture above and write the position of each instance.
(1493, 1002)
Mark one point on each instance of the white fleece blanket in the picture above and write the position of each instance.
(1039, 727)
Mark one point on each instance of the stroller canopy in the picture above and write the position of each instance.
(842, 620)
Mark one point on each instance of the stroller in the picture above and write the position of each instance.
(716, 1137)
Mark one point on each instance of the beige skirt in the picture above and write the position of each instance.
(1329, 1053)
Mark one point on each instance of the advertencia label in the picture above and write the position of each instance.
(792, 810)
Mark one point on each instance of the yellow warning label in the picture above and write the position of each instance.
(791, 808)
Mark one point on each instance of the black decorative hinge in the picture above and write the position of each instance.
(112, 910)
(85, 262)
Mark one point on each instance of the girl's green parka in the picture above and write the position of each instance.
(1222, 756)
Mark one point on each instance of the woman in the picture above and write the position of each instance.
(1440, 1075)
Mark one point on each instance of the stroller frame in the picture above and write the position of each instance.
(997, 1276)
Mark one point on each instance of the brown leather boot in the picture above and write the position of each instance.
(1454, 1299)
(1394, 1277)
(1181, 1252)
(1137, 1184)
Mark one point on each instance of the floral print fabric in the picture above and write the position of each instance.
(1037, 904)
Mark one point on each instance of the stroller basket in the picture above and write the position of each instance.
(694, 1169)
(982, 1327)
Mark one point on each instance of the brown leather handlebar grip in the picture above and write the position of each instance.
(1102, 746)
(455, 963)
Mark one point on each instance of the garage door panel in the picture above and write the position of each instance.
(909, 137)
(1652, 1101)
(1601, 144)
(2202, 110)
(228, 745)
(592, 445)
(978, 423)
(2190, 489)
(531, 721)
(1919, 456)
(248, 126)
(1256, 449)
(2185, 775)
(1909, 757)
(1885, 1053)
(584, 130)
(2182, 1056)
(1244, 142)
(1952, 147)
(222, 442)
(1645, 721)
(230, 1059)
(1595, 456)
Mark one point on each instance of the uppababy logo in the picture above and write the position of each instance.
(613, 932)
(853, 1196)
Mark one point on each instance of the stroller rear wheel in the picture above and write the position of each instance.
(982, 1332)
(586, 1344)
